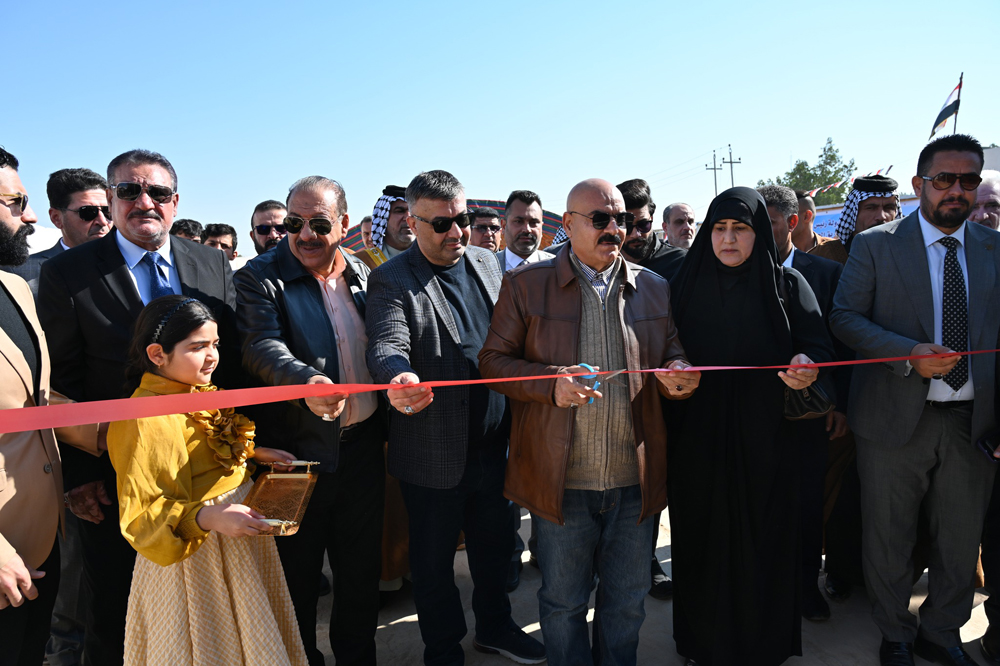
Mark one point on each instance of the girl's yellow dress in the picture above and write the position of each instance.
(197, 597)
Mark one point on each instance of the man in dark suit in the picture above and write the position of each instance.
(88, 298)
(78, 207)
(924, 285)
(822, 275)
(301, 310)
(428, 314)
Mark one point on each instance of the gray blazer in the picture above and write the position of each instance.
(411, 329)
(883, 308)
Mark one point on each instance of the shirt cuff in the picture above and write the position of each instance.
(188, 528)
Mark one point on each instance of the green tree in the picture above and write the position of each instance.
(828, 169)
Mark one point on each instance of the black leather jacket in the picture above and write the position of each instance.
(287, 338)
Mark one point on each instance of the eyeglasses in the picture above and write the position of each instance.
(89, 213)
(486, 228)
(443, 224)
(643, 225)
(132, 191)
(602, 220)
(20, 200)
(265, 229)
(320, 225)
(944, 180)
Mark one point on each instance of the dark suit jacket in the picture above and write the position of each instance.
(87, 304)
(823, 276)
(411, 329)
(30, 269)
(884, 307)
(287, 338)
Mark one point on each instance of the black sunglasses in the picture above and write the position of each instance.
(602, 220)
(265, 229)
(944, 180)
(89, 213)
(643, 225)
(132, 191)
(320, 225)
(443, 224)
(486, 228)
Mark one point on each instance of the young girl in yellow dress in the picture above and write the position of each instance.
(202, 593)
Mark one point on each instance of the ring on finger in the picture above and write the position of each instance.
(408, 410)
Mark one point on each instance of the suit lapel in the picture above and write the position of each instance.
(910, 253)
(9, 350)
(114, 272)
(487, 279)
(982, 276)
(187, 267)
(425, 276)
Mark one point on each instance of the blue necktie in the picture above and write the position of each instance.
(955, 314)
(158, 284)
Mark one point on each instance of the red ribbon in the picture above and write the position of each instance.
(123, 409)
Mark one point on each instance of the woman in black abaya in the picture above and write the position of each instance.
(733, 461)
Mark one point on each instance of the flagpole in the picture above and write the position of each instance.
(954, 125)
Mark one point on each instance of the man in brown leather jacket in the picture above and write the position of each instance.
(591, 463)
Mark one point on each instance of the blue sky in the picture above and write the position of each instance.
(244, 98)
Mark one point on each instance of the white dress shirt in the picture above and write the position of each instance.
(787, 263)
(939, 390)
(139, 271)
(513, 261)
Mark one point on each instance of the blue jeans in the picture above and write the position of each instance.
(600, 526)
(477, 507)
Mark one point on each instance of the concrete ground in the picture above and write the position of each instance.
(848, 638)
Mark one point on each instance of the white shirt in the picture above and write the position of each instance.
(787, 263)
(513, 261)
(939, 390)
(133, 255)
(63, 243)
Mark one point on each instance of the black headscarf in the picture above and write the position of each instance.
(733, 316)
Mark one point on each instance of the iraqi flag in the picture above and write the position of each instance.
(949, 109)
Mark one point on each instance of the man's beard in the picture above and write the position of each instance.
(525, 245)
(638, 252)
(14, 249)
(269, 244)
(949, 219)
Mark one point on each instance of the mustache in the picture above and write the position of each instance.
(145, 215)
(609, 238)
(308, 244)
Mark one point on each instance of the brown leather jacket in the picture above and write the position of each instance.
(535, 331)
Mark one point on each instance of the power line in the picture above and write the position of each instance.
(732, 179)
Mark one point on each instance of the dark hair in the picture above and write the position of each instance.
(781, 198)
(477, 213)
(265, 206)
(216, 230)
(366, 218)
(63, 184)
(187, 227)
(140, 157)
(525, 196)
(320, 183)
(962, 143)
(805, 200)
(8, 160)
(165, 321)
(636, 194)
(437, 184)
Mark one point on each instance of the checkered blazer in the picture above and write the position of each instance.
(411, 329)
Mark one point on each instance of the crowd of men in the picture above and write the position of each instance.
(442, 291)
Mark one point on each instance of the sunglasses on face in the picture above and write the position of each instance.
(132, 191)
(487, 228)
(320, 225)
(20, 200)
(89, 213)
(944, 180)
(601, 220)
(265, 229)
(643, 226)
(443, 224)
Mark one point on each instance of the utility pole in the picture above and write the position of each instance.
(715, 171)
(730, 162)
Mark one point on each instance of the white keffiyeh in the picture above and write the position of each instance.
(849, 215)
(380, 218)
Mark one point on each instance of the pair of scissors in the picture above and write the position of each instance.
(607, 378)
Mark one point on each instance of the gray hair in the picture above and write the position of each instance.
(320, 183)
(437, 184)
(140, 157)
(780, 198)
(669, 209)
(991, 177)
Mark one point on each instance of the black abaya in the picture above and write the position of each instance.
(733, 464)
